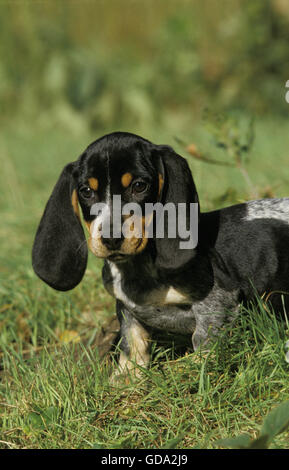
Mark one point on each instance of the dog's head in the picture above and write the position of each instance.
(122, 165)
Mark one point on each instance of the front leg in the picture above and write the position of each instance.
(219, 308)
(134, 344)
(207, 328)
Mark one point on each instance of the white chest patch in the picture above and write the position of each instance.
(156, 297)
(174, 297)
(117, 287)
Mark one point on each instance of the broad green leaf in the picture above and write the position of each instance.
(240, 442)
(50, 414)
(172, 443)
(261, 442)
(35, 421)
(276, 421)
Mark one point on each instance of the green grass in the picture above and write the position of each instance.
(57, 395)
(60, 397)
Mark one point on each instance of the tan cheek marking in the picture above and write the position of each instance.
(94, 241)
(126, 179)
(161, 183)
(74, 202)
(93, 183)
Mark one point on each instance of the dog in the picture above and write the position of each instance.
(242, 250)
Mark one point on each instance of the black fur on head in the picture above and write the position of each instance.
(59, 254)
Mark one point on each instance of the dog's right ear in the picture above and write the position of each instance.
(59, 254)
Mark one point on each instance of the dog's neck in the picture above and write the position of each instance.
(141, 272)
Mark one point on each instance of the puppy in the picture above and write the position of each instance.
(241, 251)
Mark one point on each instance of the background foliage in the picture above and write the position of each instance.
(207, 77)
(127, 63)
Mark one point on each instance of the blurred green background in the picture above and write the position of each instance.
(99, 65)
(72, 71)
(206, 76)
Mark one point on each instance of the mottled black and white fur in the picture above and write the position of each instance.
(242, 250)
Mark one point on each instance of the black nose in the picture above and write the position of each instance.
(111, 243)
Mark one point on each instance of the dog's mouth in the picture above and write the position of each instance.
(117, 257)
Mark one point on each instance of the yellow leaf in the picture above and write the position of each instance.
(5, 307)
(68, 336)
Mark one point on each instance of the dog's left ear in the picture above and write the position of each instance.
(178, 187)
(59, 254)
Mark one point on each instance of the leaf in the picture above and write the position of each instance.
(50, 414)
(68, 336)
(98, 445)
(35, 421)
(276, 421)
(128, 412)
(124, 443)
(172, 443)
(261, 442)
(39, 419)
(5, 307)
(240, 442)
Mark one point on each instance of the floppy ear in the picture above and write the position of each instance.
(178, 187)
(59, 254)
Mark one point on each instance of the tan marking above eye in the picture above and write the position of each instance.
(93, 183)
(126, 179)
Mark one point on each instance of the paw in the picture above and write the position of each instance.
(126, 374)
(199, 341)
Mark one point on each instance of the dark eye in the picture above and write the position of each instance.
(139, 187)
(86, 192)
